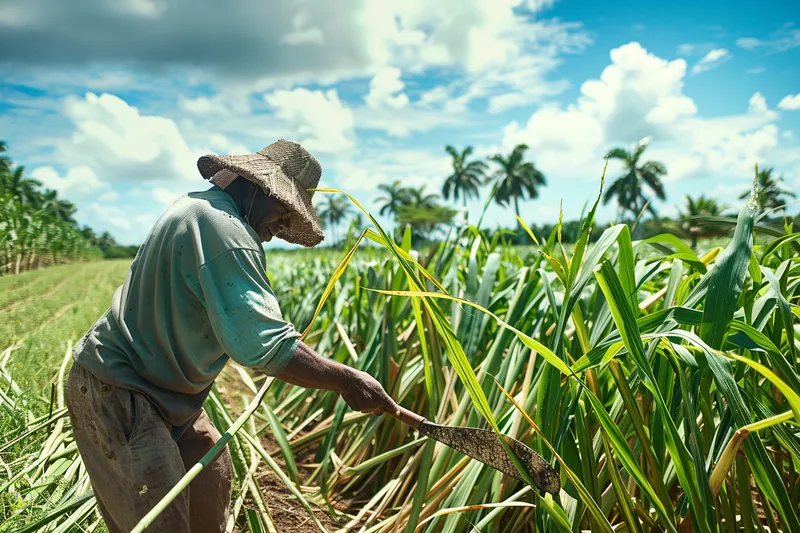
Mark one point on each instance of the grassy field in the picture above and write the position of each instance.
(42, 310)
(662, 383)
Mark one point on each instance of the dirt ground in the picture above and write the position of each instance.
(287, 513)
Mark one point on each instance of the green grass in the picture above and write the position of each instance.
(43, 310)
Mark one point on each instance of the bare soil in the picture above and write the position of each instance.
(286, 511)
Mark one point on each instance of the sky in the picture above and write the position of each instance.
(112, 103)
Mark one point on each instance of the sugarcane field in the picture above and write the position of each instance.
(399, 267)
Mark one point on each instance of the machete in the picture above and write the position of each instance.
(484, 445)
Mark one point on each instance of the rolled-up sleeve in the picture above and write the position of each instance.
(244, 312)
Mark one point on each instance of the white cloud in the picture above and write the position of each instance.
(638, 95)
(109, 196)
(414, 168)
(347, 39)
(110, 80)
(386, 88)
(302, 33)
(758, 104)
(695, 49)
(574, 142)
(221, 144)
(166, 196)
(782, 40)
(200, 105)
(756, 70)
(112, 215)
(78, 181)
(539, 5)
(411, 119)
(748, 43)
(713, 59)
(148, 9)
(319, 119)
(121, 144)
(228, 102)
(351, 177)
(790, 102)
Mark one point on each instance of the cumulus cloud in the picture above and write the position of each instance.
(639, 95)
(790, 102)
(166, 196)
(225, 103)
(539, 5)
(292, 41)
(302, 32)
(413, 167)
(222, 144)
(713, 59)
(412, 119)
(317, 119)
(109, 196)
(121, 144)
(111, 215)
(78, 181)
(757, 104)
(386, 88)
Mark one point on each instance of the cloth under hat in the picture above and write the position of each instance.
(284, 170)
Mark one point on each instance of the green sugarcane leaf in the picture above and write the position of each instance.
(726, 279)
(700, 501)
(283, 444)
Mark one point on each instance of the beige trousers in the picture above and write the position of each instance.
(132, 460)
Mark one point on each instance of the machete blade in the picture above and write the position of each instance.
(484, 445)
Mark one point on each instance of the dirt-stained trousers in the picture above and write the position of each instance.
(132, 460)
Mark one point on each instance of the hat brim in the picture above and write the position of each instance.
(304, 227)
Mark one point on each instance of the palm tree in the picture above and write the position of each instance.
(395, 196)
(61, 209)
(19, 187)
(106, 241)
(516, 178)
(770, 191)
(628, 187)
(354, 229)
(5, 162)
(700, 206)
(36, 228)
(418, 198)
(334, 210)
(466, 176)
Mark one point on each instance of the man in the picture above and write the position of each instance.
(196, 295)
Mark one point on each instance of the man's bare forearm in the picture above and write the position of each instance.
(361, 391)
(310, 370)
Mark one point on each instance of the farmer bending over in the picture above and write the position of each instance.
(197, 294)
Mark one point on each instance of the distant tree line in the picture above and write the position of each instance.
(37, 228)
(513, 179)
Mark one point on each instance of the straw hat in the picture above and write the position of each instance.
(284, 170)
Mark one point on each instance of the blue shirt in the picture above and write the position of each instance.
(196, 295)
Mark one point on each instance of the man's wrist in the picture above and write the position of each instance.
(346, 381)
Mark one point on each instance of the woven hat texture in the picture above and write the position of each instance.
(284, 170)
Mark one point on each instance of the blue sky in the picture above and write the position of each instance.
(112, 103)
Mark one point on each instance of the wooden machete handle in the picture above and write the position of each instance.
(405, 416)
